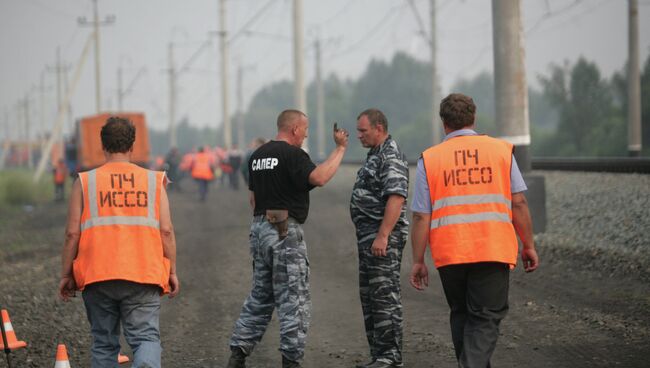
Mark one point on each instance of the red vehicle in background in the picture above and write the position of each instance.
(86, 146)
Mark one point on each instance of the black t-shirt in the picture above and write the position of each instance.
(279, 177)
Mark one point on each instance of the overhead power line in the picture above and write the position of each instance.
(251, 21)
(550, 14)
(371, 32)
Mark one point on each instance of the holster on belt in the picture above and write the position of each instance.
(280, 221)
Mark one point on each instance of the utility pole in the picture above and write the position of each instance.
(223, 45)
(511, 99)
(95, 23)
(240, 107)
(320, 104)
(436, 126)
(435, 92)
(68, 108)
(28, 138)
(58, 124)
(633, 82)
(299, 95)
(41, 110)
(511, 90)
(172, 97)
(59, 68)
(6, 142)
(120, 93)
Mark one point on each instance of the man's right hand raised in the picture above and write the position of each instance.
(340, 136)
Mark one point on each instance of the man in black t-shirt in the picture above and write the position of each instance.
(281, 176)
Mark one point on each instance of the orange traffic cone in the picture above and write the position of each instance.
(12, 340)
(61, 357)
(121, 359)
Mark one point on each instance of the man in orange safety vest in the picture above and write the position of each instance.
(120, 250)
(469, 206)
(202, 171)
(60, 173)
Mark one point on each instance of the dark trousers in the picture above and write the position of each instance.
(203, 189)
(477, 294)
(381, 301)
(59, 191)
(234, 179)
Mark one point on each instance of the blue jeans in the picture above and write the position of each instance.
(137, 307)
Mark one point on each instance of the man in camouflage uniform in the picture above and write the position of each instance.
(281, 176)
(378, 211)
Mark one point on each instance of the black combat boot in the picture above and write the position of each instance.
(383, 364)
(237, 358)
(365, 365)
(286, 363)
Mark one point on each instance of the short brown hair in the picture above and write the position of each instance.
(457, 111)
(375, 116)
(118, 135)
(286, 117)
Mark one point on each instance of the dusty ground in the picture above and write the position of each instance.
(567, 314)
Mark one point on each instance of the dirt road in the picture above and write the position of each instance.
(563, 315)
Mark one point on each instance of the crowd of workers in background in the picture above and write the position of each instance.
(203, 165)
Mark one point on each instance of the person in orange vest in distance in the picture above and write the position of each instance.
(469, 205)
(120, 250)
(60, 173)
(202, 171)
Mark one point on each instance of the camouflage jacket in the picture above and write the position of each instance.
(385, 172)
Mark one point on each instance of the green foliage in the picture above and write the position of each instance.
(590, 122)
(481, 89)
(17, 188)
(543, 118)
(577, 112)
(401, 89)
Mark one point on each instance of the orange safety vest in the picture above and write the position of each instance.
(59, 174)
(202, 167)
(120, 227)
(186, 162)
(471, 202)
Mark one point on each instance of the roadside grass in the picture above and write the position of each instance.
(18, 189)
(20, 198)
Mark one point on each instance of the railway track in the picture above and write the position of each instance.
(601, 164)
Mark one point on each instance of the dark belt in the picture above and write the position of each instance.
(262, 218)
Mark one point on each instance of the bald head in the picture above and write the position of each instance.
(288, 119)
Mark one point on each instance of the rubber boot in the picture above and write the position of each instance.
(237, 358)
(286, 363)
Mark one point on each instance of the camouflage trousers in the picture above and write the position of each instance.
(280, 280)
(381, 301)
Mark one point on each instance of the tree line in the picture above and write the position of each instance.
(575, 111)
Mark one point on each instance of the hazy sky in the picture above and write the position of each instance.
(353, 33)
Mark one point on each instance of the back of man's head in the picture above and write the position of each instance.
(118, 135)
(457, 111)
(288, 118)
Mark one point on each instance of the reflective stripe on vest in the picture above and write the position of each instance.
(95, 220)
(470, 218)
(471, 199)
